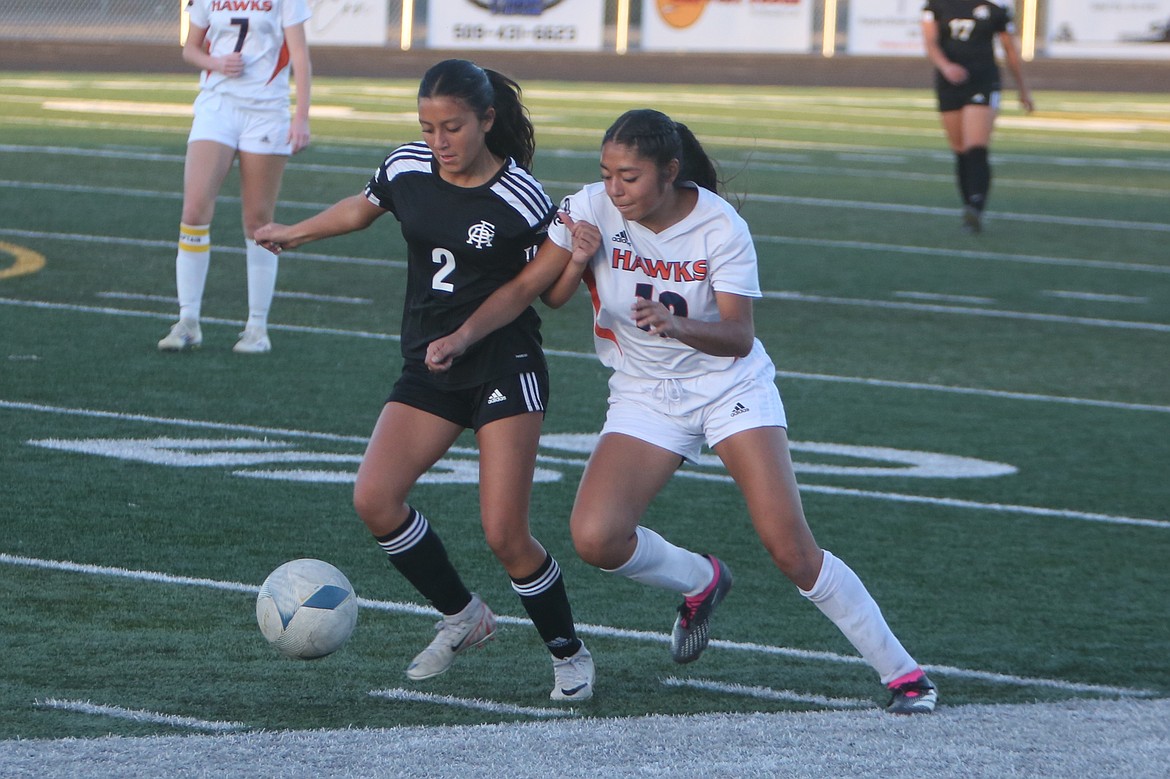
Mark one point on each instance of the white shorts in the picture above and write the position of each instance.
(680, 415)
(234, 124)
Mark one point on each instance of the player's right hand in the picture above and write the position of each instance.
(586, 238)
(232, 65)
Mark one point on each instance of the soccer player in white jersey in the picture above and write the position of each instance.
(244, 49)
(473, 216)
(671, 269)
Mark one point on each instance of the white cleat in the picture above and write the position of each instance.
(253, 340)
(472, 627)
(185, 334)
(574, 677)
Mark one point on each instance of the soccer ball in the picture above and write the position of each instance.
(306, 609)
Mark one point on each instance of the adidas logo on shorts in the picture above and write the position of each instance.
(739, 409)
(496, 397)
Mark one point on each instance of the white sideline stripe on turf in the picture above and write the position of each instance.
(398, 694)
(228, 249)
(812, 488)
(767, 693)
(586, 629)
(896, 497)
(932, 251)
(966, 254)
(310, 296)
(799, 297)
(892, 384)
(138, 715)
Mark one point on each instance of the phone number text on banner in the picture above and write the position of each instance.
(517, 24)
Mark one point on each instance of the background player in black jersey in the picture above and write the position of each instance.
(472, 215)
(960, 40)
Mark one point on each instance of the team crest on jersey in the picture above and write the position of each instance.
(982, 12)
(480, 235)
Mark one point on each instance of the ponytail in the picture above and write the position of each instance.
(512, 134)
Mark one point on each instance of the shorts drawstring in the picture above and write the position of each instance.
(667, 391)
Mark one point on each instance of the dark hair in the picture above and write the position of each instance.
(659, 138)
(512, 134)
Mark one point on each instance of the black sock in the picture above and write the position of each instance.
(544, 598)
(418, 554)
(978, 176)
(961, 176)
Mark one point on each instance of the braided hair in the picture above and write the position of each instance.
(657, 137)
(512, 134)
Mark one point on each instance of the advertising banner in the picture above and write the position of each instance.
(556, 25)
(347, 22)
(1119, 29)
(885, 27)
(727, 25)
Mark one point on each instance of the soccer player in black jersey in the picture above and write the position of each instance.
(472, 215)
(960, 42)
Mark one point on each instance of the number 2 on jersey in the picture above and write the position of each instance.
(446, 262)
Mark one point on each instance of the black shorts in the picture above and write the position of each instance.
(474, 407)
(976, 90)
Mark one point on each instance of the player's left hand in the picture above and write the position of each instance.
(298, 135)
(653, 317)
(441, 352)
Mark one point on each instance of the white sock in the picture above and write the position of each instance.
(659, 563)
(843, 599)
(262, 266)
(191, 265)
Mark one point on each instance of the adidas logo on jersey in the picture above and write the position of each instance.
(622, 238)
(496, 397)
(739, 409)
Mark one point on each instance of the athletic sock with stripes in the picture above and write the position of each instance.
(418, 554)
(543, 596)
(191, 266)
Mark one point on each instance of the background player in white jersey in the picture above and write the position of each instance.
(671, 269)
(960, 40)
(244, 48)
(472, 215)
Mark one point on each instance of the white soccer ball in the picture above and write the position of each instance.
(306, 609)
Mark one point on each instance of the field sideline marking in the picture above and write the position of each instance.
(796, 375)
(768, 694)
(597, 630)
(574, 185)
(413, 696)
(137, 715)
(849, 492)
(889, 248)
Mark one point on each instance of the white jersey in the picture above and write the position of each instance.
(708, 251)
(255, 28)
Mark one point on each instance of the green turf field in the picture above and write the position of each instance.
(980, 423)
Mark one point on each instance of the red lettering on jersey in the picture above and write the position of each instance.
(241, 5)
(681, 271)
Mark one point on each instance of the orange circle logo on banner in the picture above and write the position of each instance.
(681, 13)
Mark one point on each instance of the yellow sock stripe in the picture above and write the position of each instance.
(195, 238)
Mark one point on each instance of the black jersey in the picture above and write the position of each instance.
(967, 30)
(463, 243)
